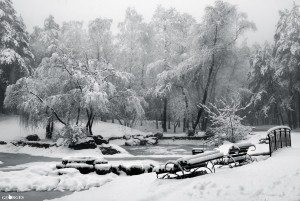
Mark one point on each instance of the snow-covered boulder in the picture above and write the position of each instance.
(33, 144)
(159, 135)
(108, 150)
(151, 140)
(132, 169)
(140, 140)
(99, 140)
(80, 159)
(100, 161)
(82, 167)
(150, 134)
(87, 143)
(132, 142)
(103, 169)
(33, 137)
(126, 137)
(66, 171)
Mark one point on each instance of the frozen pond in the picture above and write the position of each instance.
(166, 147)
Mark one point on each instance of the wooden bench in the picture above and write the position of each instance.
(237, 155)
(189, 166)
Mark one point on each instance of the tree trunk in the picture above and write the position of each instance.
(78, 115)
(49, 128)
(204, 124)
(187, 124)
(169, 122)
(175, 126)
(156, 120)
(164, 120)
(288, 112)
(209, 79)
(90, 122)
(184, 125)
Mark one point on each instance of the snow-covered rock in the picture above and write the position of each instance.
(80, 159)
(82, 167)
(108, 150)
(159, 135)
(87, 143)
(33, 137)
(140, 140)
(45, 177)
(132, 142)
(37, 144)
(103, 169)
(99, 140)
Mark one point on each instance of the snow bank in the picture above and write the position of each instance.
(46, 177)
(11, 129)
(275, 179)
(58, 152)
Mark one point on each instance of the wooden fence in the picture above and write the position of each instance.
(279, 137)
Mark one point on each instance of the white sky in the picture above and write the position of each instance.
(264, 13)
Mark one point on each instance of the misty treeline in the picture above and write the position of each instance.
(171, 70)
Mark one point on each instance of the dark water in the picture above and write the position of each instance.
(11, 159)
(163, 149)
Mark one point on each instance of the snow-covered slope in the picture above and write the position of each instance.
(274, 179)
(11, 129)
(277, 178)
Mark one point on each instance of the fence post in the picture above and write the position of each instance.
(280, 132)
(275, 140)
(285, 130)
(270, 148)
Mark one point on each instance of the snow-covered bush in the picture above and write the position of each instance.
(226, 123)
(71, 134)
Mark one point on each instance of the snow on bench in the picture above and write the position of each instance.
(185, 159)
(189, 166)
(236, 153)
(205, 158)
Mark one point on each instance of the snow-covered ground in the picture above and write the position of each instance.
(274, 179)
(11, 129)
(45, 177)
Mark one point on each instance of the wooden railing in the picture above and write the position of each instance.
(279, 137)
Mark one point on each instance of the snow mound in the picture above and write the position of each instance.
(58, 152)
(46, 177)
